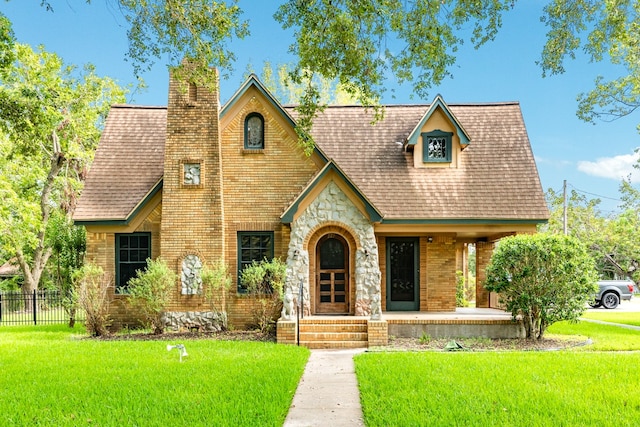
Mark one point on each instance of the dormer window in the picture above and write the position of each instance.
(436, 146)
(254, 132)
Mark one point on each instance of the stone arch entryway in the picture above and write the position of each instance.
(332, 270)
(333, 212)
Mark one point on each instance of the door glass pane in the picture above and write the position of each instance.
(331, 254)
(339, 298)
(402, 265)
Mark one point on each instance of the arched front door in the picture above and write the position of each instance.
(332, 276)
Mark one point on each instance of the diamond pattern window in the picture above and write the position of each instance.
(436, 146)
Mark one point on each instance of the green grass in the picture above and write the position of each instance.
(499, 389)
(53, 378)
(627, 318)
(604, 337)
(584, 386)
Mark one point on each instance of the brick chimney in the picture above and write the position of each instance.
(192, 208)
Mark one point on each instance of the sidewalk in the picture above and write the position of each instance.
(328, 392)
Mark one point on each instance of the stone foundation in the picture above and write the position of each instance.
(204, 321)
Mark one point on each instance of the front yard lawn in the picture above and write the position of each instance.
(627, 318)
(50, 377)
(499, 389)
(604, 337)
(581, 386)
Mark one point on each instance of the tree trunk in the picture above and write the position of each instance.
(41, 253)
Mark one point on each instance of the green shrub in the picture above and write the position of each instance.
(461, 301)
(265, 280)
(543, 278)
(92, 287)
(150, 292)
(217, 282)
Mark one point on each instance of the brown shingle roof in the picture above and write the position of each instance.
(497, 177)
(127, 164)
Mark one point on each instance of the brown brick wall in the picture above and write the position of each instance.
(258, 186)
(484, 250)
(101, 251)
(377, 333)
(193, 217)
(440, 274)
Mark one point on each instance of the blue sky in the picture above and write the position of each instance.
(592, 158)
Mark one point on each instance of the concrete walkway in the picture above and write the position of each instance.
(328, 392)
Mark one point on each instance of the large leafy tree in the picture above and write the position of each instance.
(51, 115)
(604, 31)
(610, 240)
(361, 43)
(542, 278)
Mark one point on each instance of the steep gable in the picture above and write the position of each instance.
(331, 173)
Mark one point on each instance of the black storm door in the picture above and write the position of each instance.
(403, 274)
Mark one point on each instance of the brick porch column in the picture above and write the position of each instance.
(483, 255)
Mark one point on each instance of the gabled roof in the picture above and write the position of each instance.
(373, 213)
(412, 139)
(128, 165)
(496, 180)
(253, 81)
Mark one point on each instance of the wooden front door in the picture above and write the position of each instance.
(332, 277)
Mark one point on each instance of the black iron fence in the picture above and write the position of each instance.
(38, 307)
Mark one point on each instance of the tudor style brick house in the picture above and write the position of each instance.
(376, 220)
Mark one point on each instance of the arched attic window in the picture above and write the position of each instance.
(254, 132)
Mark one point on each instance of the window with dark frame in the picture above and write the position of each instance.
(436, 146)
(253, 246)
(254, 132)
(132, 251)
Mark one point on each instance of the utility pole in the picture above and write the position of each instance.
(564, 207)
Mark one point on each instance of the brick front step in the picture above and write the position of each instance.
(334, 333)
(333, 344)
(332, 336)
(312, 327)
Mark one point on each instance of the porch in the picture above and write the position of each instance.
(362, 332)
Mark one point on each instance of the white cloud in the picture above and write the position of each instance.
(617, 167)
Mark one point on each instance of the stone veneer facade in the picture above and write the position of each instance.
(333, 211)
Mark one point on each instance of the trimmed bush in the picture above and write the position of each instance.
(265, 281)
(92, 287)
(150, 292)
